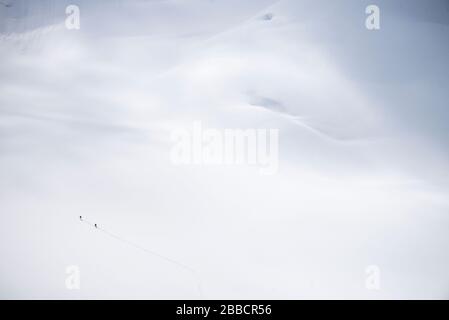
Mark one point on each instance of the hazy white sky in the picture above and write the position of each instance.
(85, 123)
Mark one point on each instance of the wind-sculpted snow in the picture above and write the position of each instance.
(85, 123)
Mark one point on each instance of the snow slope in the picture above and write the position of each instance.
(85, 127)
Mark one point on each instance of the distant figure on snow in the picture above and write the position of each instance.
(96, 226)
(81, 218)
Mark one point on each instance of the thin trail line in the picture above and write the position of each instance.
(192, 271)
